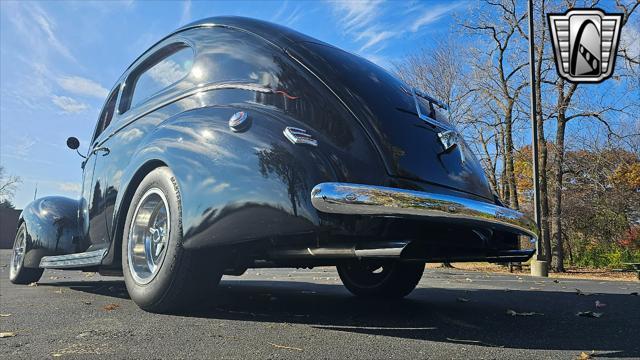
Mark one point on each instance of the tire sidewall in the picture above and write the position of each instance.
(147, 295)
(24, 275)
(13, 276)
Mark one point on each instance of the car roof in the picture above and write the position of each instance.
(278, 35)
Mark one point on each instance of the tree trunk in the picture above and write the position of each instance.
(508, 155)
(506, 194)
(557, 207)
(544, 195)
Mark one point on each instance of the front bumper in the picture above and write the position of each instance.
(356, 199)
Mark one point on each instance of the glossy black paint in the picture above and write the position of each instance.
(251, 186)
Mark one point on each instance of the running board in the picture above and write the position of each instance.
(90, 258)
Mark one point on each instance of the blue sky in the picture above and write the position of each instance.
(58, 60)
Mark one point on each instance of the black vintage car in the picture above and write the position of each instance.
(234, 143)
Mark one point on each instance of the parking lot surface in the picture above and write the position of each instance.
(288, 313)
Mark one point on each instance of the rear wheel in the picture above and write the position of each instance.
(18, 273)
(160, 275)
(368, 278)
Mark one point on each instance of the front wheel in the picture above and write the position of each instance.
(370, 278)
(18, 273)
(160, 275)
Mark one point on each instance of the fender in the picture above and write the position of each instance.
(233, 185)
(52, 228)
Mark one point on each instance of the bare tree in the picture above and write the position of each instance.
(8, 185)
(569, 107)
(498, 76)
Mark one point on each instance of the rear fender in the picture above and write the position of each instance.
(235, 186)
(52, 228)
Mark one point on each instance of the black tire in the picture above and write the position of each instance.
(18, 273)
(375, 279)
(183, 277)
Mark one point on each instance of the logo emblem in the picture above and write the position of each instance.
(585, 43)
(299, 136)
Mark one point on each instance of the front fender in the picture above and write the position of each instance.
(237, 187)
(52, 228)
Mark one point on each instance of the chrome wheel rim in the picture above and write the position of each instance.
(17, 256)
(149, 236)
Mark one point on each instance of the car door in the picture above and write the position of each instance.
(92, 209)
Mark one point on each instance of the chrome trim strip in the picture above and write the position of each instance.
(299, 136)
(382, 252)
(89, 258)
(357, 199)
(366, 250)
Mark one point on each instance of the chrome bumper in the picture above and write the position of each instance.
(356, 199)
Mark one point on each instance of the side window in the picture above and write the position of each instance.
(164, 68)
(107, 113)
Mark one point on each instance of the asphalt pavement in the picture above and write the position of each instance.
(288, 313)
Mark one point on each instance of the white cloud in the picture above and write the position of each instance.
(356, 15)
(82, 86)
(166, 72)
(186, 13)
(69, 187)
(48, 27)
(432, 15)
(220, 187)
(68, 104)
(375, 38)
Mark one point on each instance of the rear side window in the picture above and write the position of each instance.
(107, 113)
(161, 70)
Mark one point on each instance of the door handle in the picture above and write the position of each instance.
(104, 150)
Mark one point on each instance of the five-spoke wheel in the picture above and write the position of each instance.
(160, 274)
(148, 236)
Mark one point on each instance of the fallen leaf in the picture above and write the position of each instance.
(461, 299)
(580, 292)
(53, 278)
(584, 356)
(33, 284)
(5, 315)
(599, 304)
(7, 334)
(59, 291)
(87, 302)
(589, 314)
(110, 307)
(634, 294)
(515, 313)
(285, 347)
(556, 281)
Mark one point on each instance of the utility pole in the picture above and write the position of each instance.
(538, 264)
